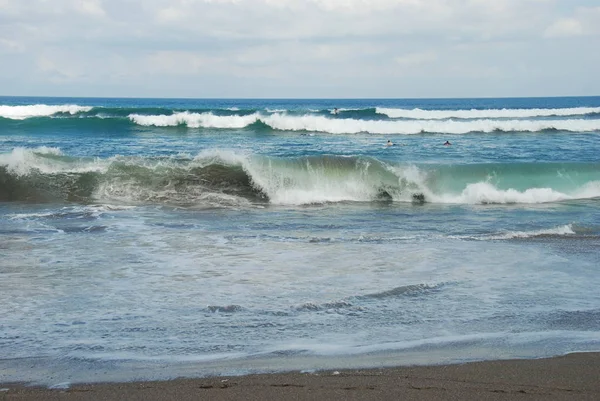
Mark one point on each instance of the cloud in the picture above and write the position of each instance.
(584, 21)
(564, 27)
(416, 59)
(57, 71)
(358, 47)
(177, 62)
(89, 7)
(11, 46)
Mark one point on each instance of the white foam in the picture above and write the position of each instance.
(194, 120)
(129, 190)
(486, 193)
(562, 230)
(315, 123)
(420, 114)
(91, 210)
(588, 191)
(22, 161)
(353, 126)
(220, 156)
(310, 183)
(348, 346)
(60, 386)
(39, 110)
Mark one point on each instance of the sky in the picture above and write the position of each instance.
(300, 48)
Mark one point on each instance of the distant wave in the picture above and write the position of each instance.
(312, 123)
(420, 114)
(39, 110)
(195, 120)
(218, 178)
(352, 126)
(345, 121)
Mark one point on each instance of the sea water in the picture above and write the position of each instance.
(156, 238)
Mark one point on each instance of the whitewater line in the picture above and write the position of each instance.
(420, 114)
(312, 123)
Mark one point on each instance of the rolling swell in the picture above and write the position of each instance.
(40, 187)
(82, 125)
(127, 183)
(216, 178)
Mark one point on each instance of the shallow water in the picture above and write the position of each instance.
(266, 235)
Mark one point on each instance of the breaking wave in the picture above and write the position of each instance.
(312, 123)
(352, 126)
(195, 120)
(218, 178)
(420, 114)
(373, 120)
(39, 110)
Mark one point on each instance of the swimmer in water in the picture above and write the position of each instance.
(389, 143)
(447, 143)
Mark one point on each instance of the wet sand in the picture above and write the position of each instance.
(571, 377)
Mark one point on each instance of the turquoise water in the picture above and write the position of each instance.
(155, 238)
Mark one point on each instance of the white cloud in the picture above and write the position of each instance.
(564, 27)
(584, 21)
(89, 7)
(57, 70)
(11, 45)
(357, 47)
(364, 6)
(169, 14)
(416, 59)
(177, 62)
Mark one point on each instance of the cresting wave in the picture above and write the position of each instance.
(217, 178)
(39, 110)
(195, 120)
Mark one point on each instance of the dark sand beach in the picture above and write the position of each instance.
(571, 377)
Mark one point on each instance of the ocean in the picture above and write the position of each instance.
(159, 238)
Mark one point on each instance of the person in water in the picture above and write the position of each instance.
(335, 111)
(447, 143)
(389, 143)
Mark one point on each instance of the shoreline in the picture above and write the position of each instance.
(572, 376)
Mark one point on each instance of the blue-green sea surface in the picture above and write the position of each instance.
(157, 238)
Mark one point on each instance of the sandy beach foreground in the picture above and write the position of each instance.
(571, 377)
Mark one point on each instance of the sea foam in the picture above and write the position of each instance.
(556, 231)
(39, 110)
(353, 126)
(420, 114)
(315, 123)
(227, 177)
(487, 193)
(47, 160)
(194, 120)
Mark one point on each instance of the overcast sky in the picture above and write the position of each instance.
(300, 48)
